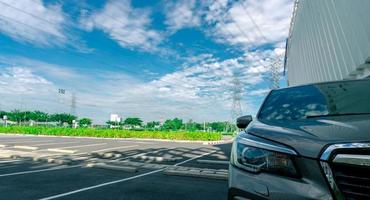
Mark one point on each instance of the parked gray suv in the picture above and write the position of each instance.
(307, 142)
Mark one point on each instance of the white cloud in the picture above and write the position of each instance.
(182, 14)
(247, 25)
(128, 26)
(101, 92)
(259, 92)
(200, 91)
(250, 23)
(33, 22)
(209, 79)
(18, 80)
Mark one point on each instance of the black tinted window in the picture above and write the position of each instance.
(320, 99)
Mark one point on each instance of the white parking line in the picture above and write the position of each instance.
(62, 143)
(144, 153)
(123, 147)
(101, 185)
(196, 157)
(121, 180)
(143, 142)
(66, 149)
(87, 145)
(37, 171)
(25, 147)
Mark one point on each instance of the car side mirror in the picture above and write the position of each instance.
(242, 122)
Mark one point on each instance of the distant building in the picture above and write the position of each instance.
(328, 41)
(115, 118)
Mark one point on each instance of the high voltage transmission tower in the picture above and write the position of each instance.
(275, 74)
(236, 110)
(73, 104)
(61, 93)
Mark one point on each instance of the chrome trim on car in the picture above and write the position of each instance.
(330, 178)
(342, 158)
(267, 145)
(363, 160)
(328, 151)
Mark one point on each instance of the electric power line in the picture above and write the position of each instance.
(253, 21)
(25, 12)
(273, 67)
(64, 38)
(103, 62)
(82, 55)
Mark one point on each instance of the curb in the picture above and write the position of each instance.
(218, 142)
(196, 172)
(106, 155)
(111, 167)
(52, 160)
(15, 156)
(219, 162)
(130, 164)
(62, 151)
(157, 159)
(138, 139)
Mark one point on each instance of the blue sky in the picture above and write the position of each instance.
(151, 59)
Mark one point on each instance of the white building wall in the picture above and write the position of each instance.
(115, 118)
(329, 40)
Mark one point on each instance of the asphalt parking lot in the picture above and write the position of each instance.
(36, 167)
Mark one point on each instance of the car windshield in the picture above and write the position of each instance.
(337, 98)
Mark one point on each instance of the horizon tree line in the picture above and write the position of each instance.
(136, 123)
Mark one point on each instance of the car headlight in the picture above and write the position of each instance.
(256, 159)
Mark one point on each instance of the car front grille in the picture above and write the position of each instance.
(346, 167)
(352, 180)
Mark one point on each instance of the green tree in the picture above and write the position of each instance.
(133, 121)
(152, 125)
(193, 126)
(112, 123)
(62, 118)
(41, 116)
(16, 116)
(218, 126)
(2, 113)
(173, 124)
(84, 122)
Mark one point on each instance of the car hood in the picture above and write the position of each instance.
(308, 137)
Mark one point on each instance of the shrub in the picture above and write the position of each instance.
(111, 133)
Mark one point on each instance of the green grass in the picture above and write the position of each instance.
(111, 133)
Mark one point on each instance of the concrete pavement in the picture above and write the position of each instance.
(84, 168)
